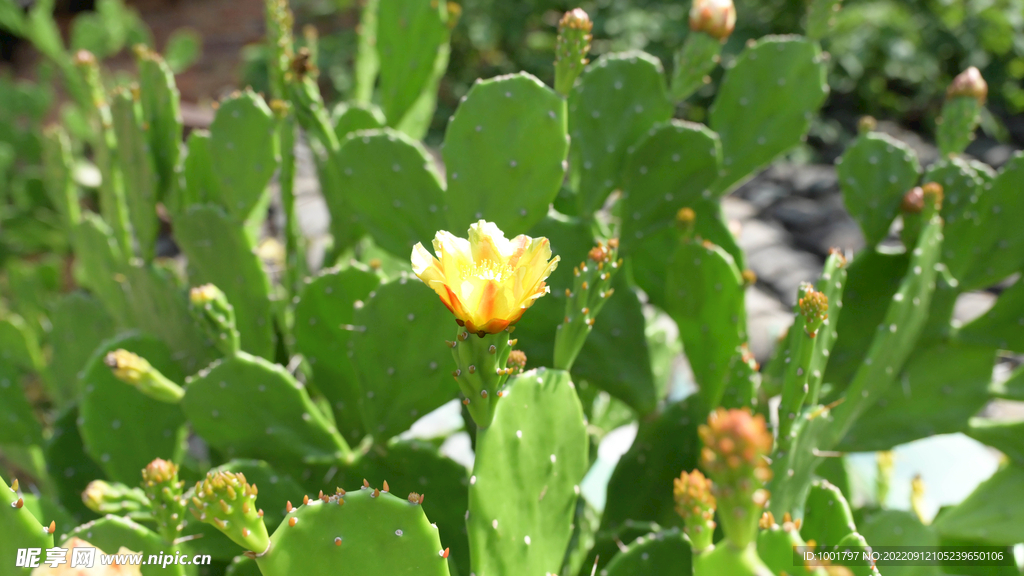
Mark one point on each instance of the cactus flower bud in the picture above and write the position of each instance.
(968, 83)
(814, 308)
(932, 194)
(913, 201)
(226, 501)
(571, 48)
(135, 371)
(592, 287)
(106, 498)
(716, 18)
(164, 490)
(213, 313)
(735, 445)
(696, 504)
(517, 360)
(866, 124)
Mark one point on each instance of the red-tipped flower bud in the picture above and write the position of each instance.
(968, 83)
(735, 445)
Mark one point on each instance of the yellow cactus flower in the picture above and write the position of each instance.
(487, 281)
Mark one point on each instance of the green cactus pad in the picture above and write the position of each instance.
(606, 544)
(961, 186)
(138, 171)
(693, 62)
(371, 532)
(124, 429)
(529, 462)
(904, 528)
(79, 323)
(70, 468)
(244, 148)
(159, 306)
(1007, 436)
(992, 514)
(956, 126)
(940, 388)
(349, 117)
(640, 488)
(392, 184)
(58, 177)
(615, 102)
(874, 174)
(827, 515)
(615, 357)
(872, 279)
(201, 183)
(18, 344)
(409, 35)
(504, 150)
(20, 426)
(417, 466)
(248, 407)
(857, 543)
(726, 559)
(219, 253)
(161, 113)
(705, 296)
(775, 546)
(400, 356)
(665, 552)
(243, 566)
(416, 122)
(672, 168)
(19, 529)
(901, 326)
(765, 104)
(1000, 245)
(325, 308)
(821, 17)
(101, 260)
(111, 533)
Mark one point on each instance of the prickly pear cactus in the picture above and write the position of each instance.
(616, 101)
(361, 531)
(224, 401)
(19, 529)
(521, 124)
(525, 482)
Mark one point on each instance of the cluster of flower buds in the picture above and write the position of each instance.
(225, 500)
(735, 446)
(696, 504)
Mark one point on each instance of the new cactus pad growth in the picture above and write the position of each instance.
(571, 48)
(696, 504)
(164, 491)
(134, 370)
(736, 443)
(592, 287)
(213, 313)
(226, 501)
